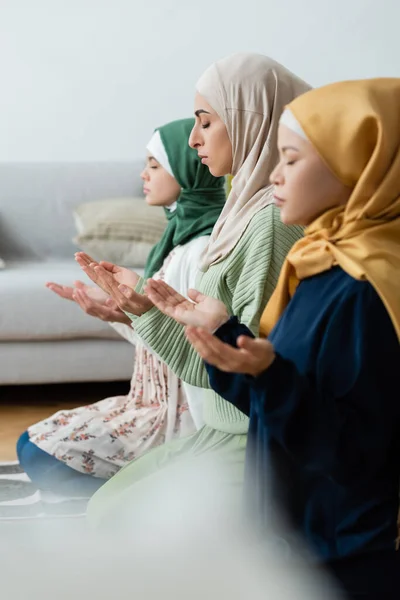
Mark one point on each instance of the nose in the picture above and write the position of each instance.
(144, 175)
(194, 139)
(276, 176)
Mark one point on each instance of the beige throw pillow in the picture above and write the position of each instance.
(121, 230)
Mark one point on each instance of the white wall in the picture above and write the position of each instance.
(90, 79)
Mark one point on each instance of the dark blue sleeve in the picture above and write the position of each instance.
(341, 414)
(234, 387)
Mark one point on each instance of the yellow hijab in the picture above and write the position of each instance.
(355, 127)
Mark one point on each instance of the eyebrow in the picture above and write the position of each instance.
(151, 158)
(290, 148)
(200, 111)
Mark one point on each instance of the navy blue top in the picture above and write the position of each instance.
(325, 417)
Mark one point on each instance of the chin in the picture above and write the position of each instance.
(217, 172)
(288, 219)
(285, 218)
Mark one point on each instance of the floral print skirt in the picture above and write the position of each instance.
(101, 438)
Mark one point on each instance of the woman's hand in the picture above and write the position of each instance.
(117, 282)
(64, 291)
(120, 275)
(67, 292)
(92, 300)
(108, 311)
(203, 311)
(252, 357)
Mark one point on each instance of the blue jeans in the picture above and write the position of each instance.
(49, 473)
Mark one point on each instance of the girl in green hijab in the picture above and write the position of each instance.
(201, 195)
(77, 450)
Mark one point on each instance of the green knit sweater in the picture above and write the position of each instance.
(244, 281)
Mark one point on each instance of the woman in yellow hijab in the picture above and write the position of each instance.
(322, 391)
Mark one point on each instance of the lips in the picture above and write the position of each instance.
(146, 190)
(278, 201)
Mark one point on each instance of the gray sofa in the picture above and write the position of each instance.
(44, 339)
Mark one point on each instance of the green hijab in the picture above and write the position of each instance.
(202, 195)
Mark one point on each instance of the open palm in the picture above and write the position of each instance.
(203, 311)
(121, 274)
(67, 291)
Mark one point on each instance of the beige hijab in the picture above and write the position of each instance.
(249, 93)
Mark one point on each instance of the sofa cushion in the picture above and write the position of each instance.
(121, 230)
(29, 311)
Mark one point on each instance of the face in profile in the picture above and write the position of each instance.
(305, 187)
(210, 138)
(159, 187)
